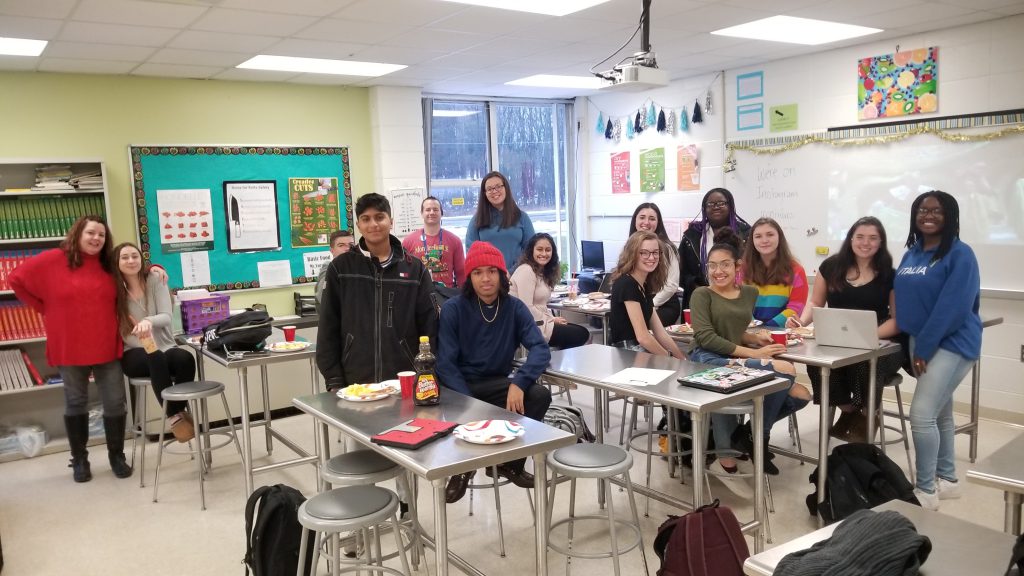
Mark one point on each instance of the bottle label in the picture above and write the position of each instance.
(426, 387)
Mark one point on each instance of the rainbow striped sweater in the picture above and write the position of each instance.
(776, 302)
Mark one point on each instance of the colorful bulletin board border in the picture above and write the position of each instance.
(157, 167)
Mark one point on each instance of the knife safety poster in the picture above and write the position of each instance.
(186, 220)
(313, 209)
(251, 215)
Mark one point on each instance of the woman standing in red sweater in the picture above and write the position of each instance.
(73, 288)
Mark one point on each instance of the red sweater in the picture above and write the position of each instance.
(78, 306)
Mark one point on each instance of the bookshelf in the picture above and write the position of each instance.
(39, 200)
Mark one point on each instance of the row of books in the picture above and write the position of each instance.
(27, 217)
(17, 371)
(19, 322)
(11, 259)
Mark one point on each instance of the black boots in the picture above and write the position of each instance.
(113, 426)
(77, 427)
(743, 440)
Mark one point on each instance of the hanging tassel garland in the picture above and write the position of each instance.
(697, 116)
(608, 130)
(661, 121)
(600, 123)
(671, 122)
(652, 116)
(638, 126)
(630, 132)
(684, 122)
(707, 104)
(617, 133)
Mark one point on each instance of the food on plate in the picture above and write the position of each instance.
(288, 346)
(598, 295)
(803, 331)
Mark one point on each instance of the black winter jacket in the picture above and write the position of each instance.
(691, 273)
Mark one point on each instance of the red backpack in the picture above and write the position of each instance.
(705, 542)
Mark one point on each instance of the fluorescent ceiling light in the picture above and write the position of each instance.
(796, 30)
(556, 81)
(454, 113)
(548, 7)
(319, 66)
(21, 47)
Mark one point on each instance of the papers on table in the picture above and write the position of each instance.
(639, 376)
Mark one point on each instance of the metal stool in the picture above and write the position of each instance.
(495, 484)
(195, 393)
(137, 420)
(344, 509)
(600, 461)
(880, 414)
(564, 387)
(673, 435)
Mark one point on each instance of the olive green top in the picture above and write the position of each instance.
(718, 322)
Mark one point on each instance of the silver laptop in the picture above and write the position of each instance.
(846, 328)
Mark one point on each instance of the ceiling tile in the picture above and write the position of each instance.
(326, 79)
(477, 19)
(353, 31)
(412, 12)
(570, 29)
(197, 57)
(447, 41)
(628, 12)
(909, 16)
(316, 49)
(85, 66)
(710, 17)
(245, 43)
(37, 8)
(428, 72)
(30, 28)
(984, 4)
(116, 34)
(846, 11)
(254, 75)
(388, 81)
(1010, 9)
(20, 63)
(176, 70)
(952, 22)
(137, 13)
(82, 51)
(303, 7)
(249, 22)
(408, 56)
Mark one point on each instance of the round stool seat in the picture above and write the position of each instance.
(894, 380)
(350, 506)
(192, 390)
(590, 461)
(359, 467)
(741, 408)
(140, 382)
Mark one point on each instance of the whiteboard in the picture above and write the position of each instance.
(817, 191)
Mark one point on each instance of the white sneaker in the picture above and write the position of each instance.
(928, 501)
(737, 486)
(745, 466)
(947, 490)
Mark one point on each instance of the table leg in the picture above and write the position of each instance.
(323, 448)
(697, 434)
(540, 475)
(599, 416)
(1011, 519)
(243, 395)
(975, 405)
(200, 368)
(757, 424)
(872, 395)
(266, 408)
(823, 425)
(441, 527)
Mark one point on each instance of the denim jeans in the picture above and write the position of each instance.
(931, 417)
(777, 405)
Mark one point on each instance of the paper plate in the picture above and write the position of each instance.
(489, 431)
(597, 305)
(598, 295)
(576, 302)
(367, 392)
(802, 332)
(680, 329)
(288, 346)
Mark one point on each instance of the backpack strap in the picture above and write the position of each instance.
(250, 508)
(664, 535)
(733, 532)
(695, 543)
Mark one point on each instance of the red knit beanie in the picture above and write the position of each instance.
(484, 254)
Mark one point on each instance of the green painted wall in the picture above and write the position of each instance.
(54, 116)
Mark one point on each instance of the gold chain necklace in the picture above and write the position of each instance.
(496, 309)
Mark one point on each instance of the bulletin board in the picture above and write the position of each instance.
(235, 214)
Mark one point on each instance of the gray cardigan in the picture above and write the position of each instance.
(157, 309)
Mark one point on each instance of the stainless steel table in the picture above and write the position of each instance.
(827, 358)
(971, 427)
(241, 367)
(1003, 470)
(442, 458)
(590, 365)
(602, 314)
(958, 547)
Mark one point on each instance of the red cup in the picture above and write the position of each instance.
(289, 333)
(779, 337)
(408, 382)
(686, 315)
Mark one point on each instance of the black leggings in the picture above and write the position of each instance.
(568, 336)
(670, 311)
(163, 368)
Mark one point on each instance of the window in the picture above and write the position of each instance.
(524, 140)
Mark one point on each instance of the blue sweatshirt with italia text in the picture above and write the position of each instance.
(937, 301)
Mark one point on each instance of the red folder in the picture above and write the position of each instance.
(426, 431)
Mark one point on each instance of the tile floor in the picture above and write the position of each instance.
(52, 526)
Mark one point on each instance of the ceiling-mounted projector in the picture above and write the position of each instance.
(640, 71)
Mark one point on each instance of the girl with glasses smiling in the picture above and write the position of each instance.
(647, 216)
(718, 210)
(499, 220)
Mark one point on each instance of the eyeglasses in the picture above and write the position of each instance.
(931, 211)
(646, 254)
(724, 265)
(494, 188)
(716, 204)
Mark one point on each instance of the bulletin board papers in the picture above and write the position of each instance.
(620, 172)
(195, 268)
(313, 262)
(251, 216)
(652, 170)
(687, 168)
(274, 273)
(405, 210)
(185, 220)
(313, 209)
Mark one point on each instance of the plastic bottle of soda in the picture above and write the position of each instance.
(427, 391)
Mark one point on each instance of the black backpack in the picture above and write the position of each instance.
(860, 476)
(705, 542)
(247, 331)
(272, 542)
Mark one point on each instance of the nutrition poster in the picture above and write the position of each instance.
(186, 220)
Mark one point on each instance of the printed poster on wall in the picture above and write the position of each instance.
(620, 172)
(405, 210)
(250, 212)
(687, 168)
(652, 170)
(313, 209)
(186, 220)
(894, 85)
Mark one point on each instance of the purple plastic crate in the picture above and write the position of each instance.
(200, 313)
